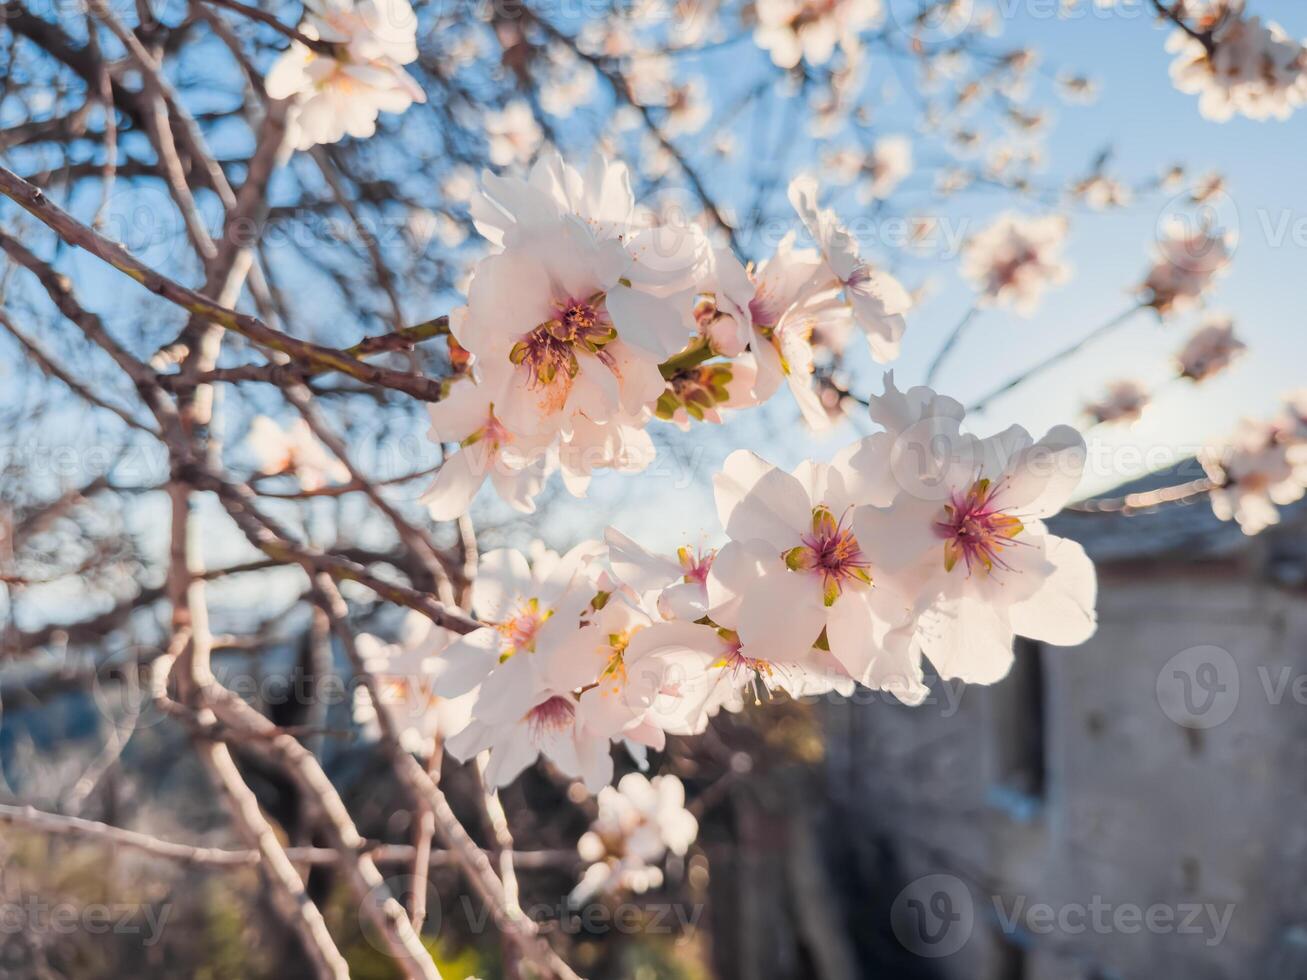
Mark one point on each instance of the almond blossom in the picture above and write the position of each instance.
(341, 93)
(1211, 349)
(677, 588)
(294, 450)
(876, 299)
(809, 30)
(512, 133)
(1188, 260)
(1124, 401)
(1260, 468)
(794, 573)
(517, 466)
(640, 821)
(529, 607)
(965, 537)
(1253, 69)
(406, 672)
(1013, 260)
(885, 167)
(527, 668)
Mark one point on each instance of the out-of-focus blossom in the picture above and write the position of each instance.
(640, 821)
(810, 30)
(294, 450)
(406, 673)
(1013, 260)
(1102, 192)
(1212, 348)
(340, 94)
(513, 133)
(1124, 401)
(1259, 469)
(1253, 69)
(1187, 262)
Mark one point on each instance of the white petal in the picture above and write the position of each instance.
(1062, 612)
(503, 579)
(755, 500)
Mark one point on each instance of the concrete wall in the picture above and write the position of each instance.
(1149, 805)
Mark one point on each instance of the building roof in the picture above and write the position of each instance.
(1185, 530)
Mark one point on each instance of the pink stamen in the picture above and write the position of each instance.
(550, 717)
(976, 529)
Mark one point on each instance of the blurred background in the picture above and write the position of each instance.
(1128, 808)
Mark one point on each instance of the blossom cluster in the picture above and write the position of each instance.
(590, 318)
(1261, 467)
(1013, 260)
(921, 542)
(640, 822)
(341, 91)
(1245, 66)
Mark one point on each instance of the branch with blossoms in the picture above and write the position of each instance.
(588, 314)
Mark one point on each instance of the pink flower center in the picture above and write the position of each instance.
(696, 564)
(519, 631)
(831, 552)
(765, 310)
(975, 529)
(550, 717)
(551, 348)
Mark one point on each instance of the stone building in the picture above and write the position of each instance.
(1135, 807)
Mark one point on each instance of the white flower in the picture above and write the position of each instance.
(688, 108)
(889, 162)
(516, 465)
(527, 702)
(795, 574)
(406, 673)
(512, 133)
(1013, 260)
(295, 450)
(877, 300)
(1255, 69)
(677, 588)
(1101, 192)
(1124, 401)
(775, 309)
(1256, 471)
(575, 312)
(530, 608)
(639, 821)
(966, 537)
(342, 93)
(1212, 348)
(809, 30)
(1187, 262)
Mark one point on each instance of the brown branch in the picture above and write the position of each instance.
(268, 537)
(263, 17)
(361, 873)
(1133, 503)
(427, 795)
(31, 199)
(50, 367)
(1202, 37)
(77, 828)
(60, 292)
